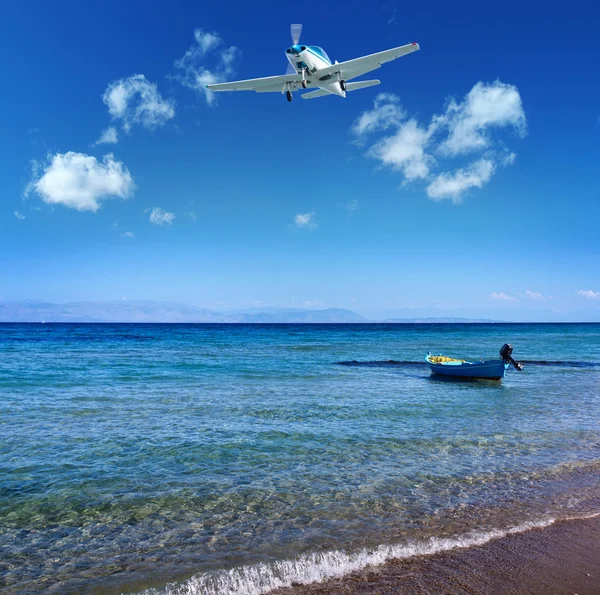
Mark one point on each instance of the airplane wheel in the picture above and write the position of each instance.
(343, 85)
(304, 84)
(288, 94)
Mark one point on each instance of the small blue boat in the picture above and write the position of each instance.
(493, 369)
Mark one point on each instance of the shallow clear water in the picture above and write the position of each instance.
(132, 456)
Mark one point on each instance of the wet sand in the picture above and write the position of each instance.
(561, 558)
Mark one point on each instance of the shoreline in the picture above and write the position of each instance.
(563, 557)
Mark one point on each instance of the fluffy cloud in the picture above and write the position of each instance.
(109, 136)
(486, 106)
(160, 217)
(194, 72)
(588, 294)
(19, 216)
(80, 181)
(386, 112)
(305, 220)
(464, 127)
(206, 42)
(502, 297)
(135, 100)
(405, 150)
(127, 234)
(454, 185)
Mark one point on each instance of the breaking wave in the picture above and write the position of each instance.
(262, 578)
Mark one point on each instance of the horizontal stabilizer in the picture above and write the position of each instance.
(361, 85)
(349, 87)
(315, 94)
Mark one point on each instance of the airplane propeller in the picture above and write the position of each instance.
(296, 31)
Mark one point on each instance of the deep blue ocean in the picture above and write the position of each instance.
(238, 458)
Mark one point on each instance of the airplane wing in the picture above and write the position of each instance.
(359, 66)
(268, 84)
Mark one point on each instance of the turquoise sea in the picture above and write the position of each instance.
(225, 459)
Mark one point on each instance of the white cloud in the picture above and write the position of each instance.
(135, 100)
(80, 181)
(193, 71)
(351, 205)
(533, 295)
(127, 234)
(160, 217)
(386, 112)
(502, 297)
(464, 127)
(206, 41)
(305, 220)
(453, 185)
(405, 150)
(588, 294)
(19, 216)
(485, 106)
(109, 136)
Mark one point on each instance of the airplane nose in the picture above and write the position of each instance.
(295, 49)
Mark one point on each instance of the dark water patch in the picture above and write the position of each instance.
(391, 363)
(564, 364)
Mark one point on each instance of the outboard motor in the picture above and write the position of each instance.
(506, 355)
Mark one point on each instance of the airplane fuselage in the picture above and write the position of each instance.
(307, 60)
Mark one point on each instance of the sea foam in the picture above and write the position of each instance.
(262, 578)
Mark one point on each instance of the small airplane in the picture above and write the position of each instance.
(310, 67)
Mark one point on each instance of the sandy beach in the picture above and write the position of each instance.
(563, 558)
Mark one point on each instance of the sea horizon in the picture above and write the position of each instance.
(408, 322)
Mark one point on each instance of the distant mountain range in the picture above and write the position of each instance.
(156, 311)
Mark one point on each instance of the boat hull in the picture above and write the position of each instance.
(489, 370)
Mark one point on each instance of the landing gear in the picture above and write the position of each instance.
(304, 84)
(288, 95)
(343, 85)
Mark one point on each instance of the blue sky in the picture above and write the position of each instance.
(466, 184)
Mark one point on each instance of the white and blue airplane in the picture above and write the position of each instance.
(310, 67)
